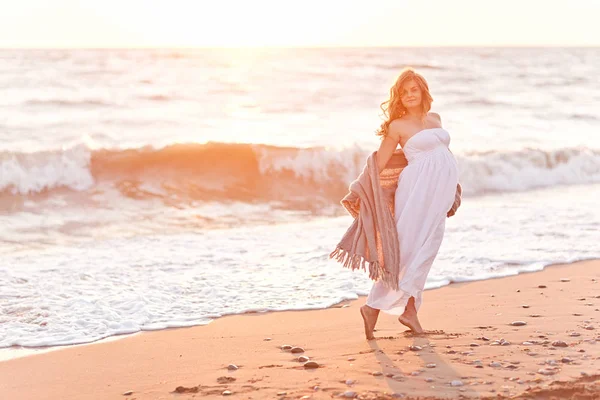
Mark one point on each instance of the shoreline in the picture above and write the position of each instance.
(13, 352)
(469, 341)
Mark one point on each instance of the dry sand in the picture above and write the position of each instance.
(469, 341)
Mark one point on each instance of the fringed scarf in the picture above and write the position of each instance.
(372, 239)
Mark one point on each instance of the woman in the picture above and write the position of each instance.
(425, 192)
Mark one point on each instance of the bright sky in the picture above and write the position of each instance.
(249, 23)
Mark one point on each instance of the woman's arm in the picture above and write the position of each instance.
(388, 146)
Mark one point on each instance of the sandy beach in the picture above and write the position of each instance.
(530, 336)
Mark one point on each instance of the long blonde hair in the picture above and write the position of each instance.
(393, 108)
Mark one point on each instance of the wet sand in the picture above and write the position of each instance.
(475, 346)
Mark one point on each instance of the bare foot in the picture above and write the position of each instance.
(411, 321)
(369, 315)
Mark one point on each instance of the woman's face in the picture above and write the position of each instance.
(410, 94)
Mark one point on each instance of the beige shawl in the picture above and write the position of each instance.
(372, 238)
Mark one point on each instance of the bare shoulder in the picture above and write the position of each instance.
(396, 128)
(436, 116)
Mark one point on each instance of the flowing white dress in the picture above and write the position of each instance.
(425, 193)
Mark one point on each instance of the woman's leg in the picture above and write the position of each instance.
(369, 315)
(409, 317)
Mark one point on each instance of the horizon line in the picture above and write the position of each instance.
(502, 46)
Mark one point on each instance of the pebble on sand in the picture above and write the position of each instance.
(297, 350)
(349, 394)
(232, 367)
(542, 286)
(547, 371)
(525, 306)
(377, 373)
(456, 382)
(286, 347)
(128, 393)
(431, 365)
(415, 348)
(559, 343)
(303, 359)
(311, 365)
(518, 323)
(227, 393)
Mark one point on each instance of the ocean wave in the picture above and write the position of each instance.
(258, 172)
(527, 169)
(156, 97)
(415, 66)
(67, 103)
(584, 117)
(486, 102)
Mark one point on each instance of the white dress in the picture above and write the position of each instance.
(425, 193)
